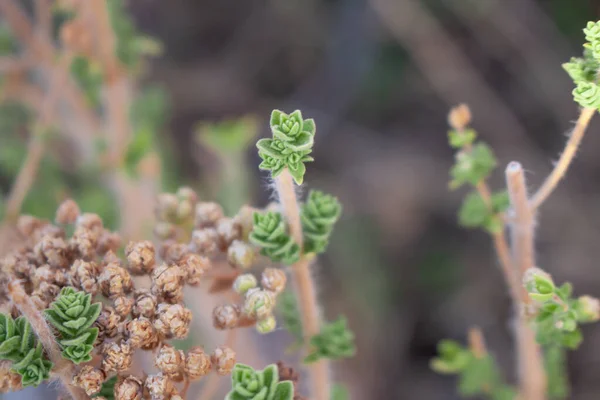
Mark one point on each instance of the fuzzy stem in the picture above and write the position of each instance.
(530, 360)
(64, 369)
(565, 158)
(304, 286)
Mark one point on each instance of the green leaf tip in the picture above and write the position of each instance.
(269, 232)
(475, 213)
(335, 341)
(472, 166)
(73, 314)
(290, 146)
(319, 215)
(250, 384)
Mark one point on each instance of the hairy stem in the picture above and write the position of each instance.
(530, 360)
(565, 158)
(305, 287)
(65, 370)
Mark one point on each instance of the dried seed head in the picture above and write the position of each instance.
(240, 255)
(166, 206)
(205, 241)
(197, 363)
(117, 357)
(459, 117)
(114, 280)
(167, 283)
(107, 323)
(245, 217)
(144, 304)
(52, 250)
(123, 305)
(266, 325)
(140, 332)
(169, 360)
(287, 374)
(173, 320)
(273, 279)
(159, 386)
(89, 379)
(67, 212)
(207, 214)
(10, 381)
(244, 282)
(108, 241)
(259, 303)
(84, 275)
(140, 257)
(228, 229)
(48, 291)
(226, 316)
(90, 221)
(194, 266)
(129, 388)
(172, 252)
(84, 241)
(223, 359)
(27, 225)
(42, 274)
(164, 230)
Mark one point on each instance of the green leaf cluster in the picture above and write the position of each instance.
(584, 70)
(472, 166)
(19, 345)
(335, 341)
(73, 314)
(319, 215)
(475, 213)
(249, 384)
(290, 146)
(269, 232)
(107, 391)
(478, 376)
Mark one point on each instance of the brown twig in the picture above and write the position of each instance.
(304, 285)
(565, 159)
(530, 360)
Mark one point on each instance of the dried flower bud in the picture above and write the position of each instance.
(129, 388)
(90, 221)
(108, 241)
(205, 241)
(164, 230)
(244, 282)
(27, 225)
(140, 332)
(172, 251)
(228, 229)
(117, 357)
(10, 381)
(266, 325)
(84, 241)
(223, 359)
(166, 206)
(226, 316)
(173, 320)
(197, 363)
(90, 379)
(245, 217)
(194, 266)
(52, 250)
(114, 280)
(589, 309)
(140, 257)
(84, 275)
(259, 303)
(169, 360)
(240, 255)
(207, 214)
(459, 117)
(167, 283)
(123, 305)
(144, 304)
(159, 386)
(273, 279)
(67, 212)
(107, 323)
(42, 274)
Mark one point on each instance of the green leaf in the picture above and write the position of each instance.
(319, 215)
(270, 234)
(335, 341)
(284, 391)
(472, 166)
(460, 139)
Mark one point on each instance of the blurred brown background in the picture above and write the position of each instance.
(379, 76)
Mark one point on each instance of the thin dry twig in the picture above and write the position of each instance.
(304, 285)
(565, 159)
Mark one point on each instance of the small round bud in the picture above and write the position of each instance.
(197, 363)
(173, 320)
(166, 206)
(273, 279)
(266, 325)
(223, 359)
(90, 379)
(159, 386)
(107, 323)
(172, 252)
(588, 308)
(114, 280)
(167, 283)
(140, 257)
(117, 357)
(164, 230)
(123, 305)
(240, 255)
(207, 214)
(244, 282)
(459, 117)
(194, 266)
(186, 193)
(169, 361)
(84, 275)
(140, 332)
(144, 304)
(67, 212)
(205, 241)
(226, 316)
(129, 388)
(89, 221)
(185, 209)
(539, 284)
(228, 229)
(259, 303)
